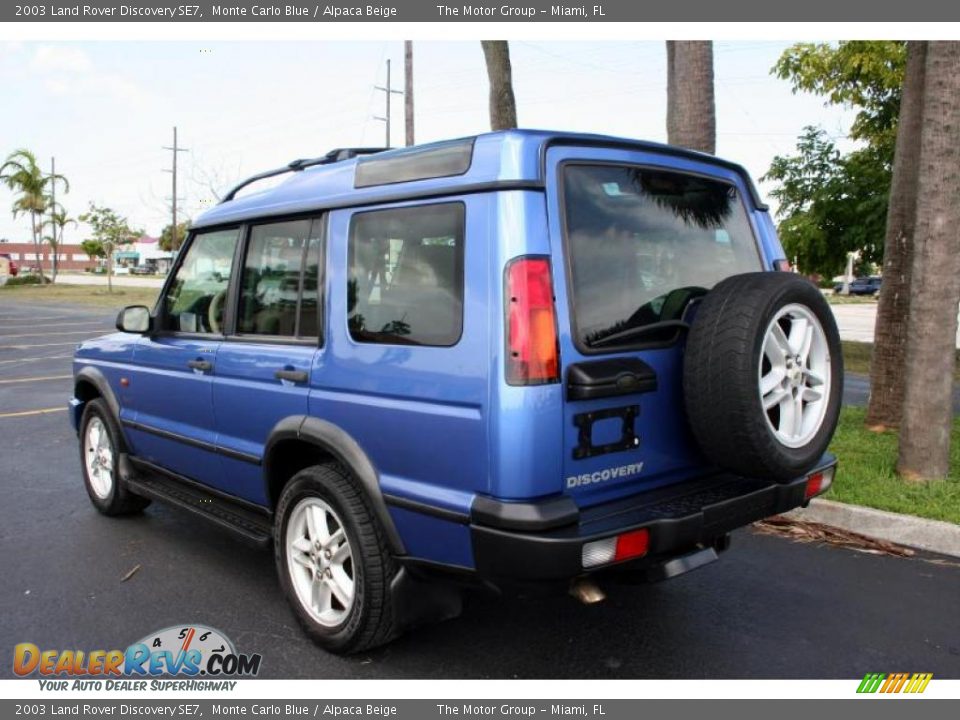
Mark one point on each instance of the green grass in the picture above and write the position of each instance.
(86, 295)
(850, 299)
(866, 473)
(856, 358)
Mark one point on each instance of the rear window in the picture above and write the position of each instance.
(642, 244)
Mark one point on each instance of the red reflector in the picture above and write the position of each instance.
(632, 544)
(814, 485)
(532, 355)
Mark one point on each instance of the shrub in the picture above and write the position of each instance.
(23, 280)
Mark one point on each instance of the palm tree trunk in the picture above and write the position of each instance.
(935, 283)
(890, 335)
(503, 105)
(36, 245)
(691, 110)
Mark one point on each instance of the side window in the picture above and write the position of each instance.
(406, 275)
(197, 296)
(281, 259)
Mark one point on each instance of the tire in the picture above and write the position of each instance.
(368, 620)
(106, 488)
(728, 377)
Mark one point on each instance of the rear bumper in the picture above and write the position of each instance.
(680, 519)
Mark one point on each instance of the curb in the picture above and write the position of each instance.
(931, 535)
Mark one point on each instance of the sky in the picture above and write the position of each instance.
(105, 109)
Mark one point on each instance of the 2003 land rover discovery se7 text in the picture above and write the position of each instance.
(520, 358)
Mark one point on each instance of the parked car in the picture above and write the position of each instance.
(861, 286)
(523, 359)
(12, 268)
(142, 270)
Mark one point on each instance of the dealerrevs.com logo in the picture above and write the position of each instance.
(181, 651)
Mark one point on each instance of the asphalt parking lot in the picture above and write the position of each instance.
(771, 608)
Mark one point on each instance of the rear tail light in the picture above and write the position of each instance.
(818, 483)
(532, 354)
(627, 546)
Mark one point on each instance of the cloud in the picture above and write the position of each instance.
(61, 59)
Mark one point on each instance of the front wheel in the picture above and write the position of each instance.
(763, 375)
(333, 561)
(100, 448)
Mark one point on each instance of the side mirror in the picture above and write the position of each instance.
(134, 319)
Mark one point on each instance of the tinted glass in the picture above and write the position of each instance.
(312, 282)
(270, 292)
(642, 244)
(406, 275)
(197, 296)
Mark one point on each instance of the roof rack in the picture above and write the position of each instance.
(297, 165)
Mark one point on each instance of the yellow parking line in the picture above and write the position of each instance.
(35, 379)
(24, 413)
(64, 332)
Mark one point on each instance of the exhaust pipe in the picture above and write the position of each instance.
(587, 591)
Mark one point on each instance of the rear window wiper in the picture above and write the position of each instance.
(639, 331)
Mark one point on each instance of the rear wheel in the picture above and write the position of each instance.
(100, 448)
(333, 561)
(763, 375)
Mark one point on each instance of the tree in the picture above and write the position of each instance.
(22, 175)
(935, 283)
(885, 407)
(503, 105)
(110, 231)
(169, 242)
(828, 204)
(57, 221)
(93, 249)
(691, 111)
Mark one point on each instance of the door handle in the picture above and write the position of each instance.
(202, 365)
(294, 376)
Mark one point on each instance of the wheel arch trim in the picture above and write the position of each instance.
(94, 376)
(335, 441)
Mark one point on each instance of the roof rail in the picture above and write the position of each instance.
(333, 156)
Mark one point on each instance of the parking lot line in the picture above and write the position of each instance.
(35, 379)
(24, 413)
(105, 323)
(24, 347)
(36, 359)
(52, 334)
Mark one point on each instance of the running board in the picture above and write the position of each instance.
(247, 521)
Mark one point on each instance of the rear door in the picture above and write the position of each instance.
(637, 238)
(170, 380)
(266, 362)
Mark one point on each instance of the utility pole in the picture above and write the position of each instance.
(53, 218)
(176, 149)
(388, 91)
(408, 89)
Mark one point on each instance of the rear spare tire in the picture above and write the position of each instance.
(763, 375)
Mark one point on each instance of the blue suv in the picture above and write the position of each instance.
(522, 359)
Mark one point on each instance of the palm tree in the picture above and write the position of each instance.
(57, 221)
(935, 280)
(503, 104)
(21, 173)
(691, 111)
(890, 335)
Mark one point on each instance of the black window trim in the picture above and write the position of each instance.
(463, 270)
(578, 343)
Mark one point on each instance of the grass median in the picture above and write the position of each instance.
(857, 355)
(867, 476)
(82, 295)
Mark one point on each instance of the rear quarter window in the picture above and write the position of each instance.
(405, 282)
(643, 243)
